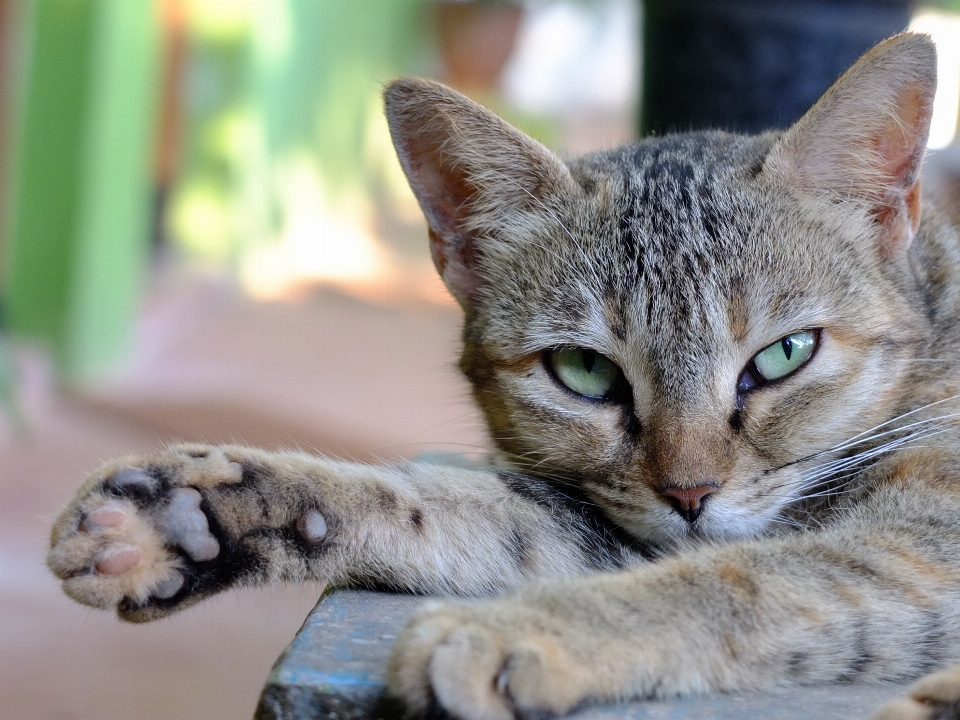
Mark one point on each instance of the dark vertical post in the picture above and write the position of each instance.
(751, 65)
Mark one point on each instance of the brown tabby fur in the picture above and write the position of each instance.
(830, 550)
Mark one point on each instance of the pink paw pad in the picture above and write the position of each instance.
(105, 516)
(118, 559)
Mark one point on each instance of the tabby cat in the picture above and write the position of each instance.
(722, 376)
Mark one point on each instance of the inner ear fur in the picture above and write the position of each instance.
(866, 137)
(471, 173)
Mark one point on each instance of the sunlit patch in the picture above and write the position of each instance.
(212, 217)
(944, 29)
(201, 220)
(329, 242)
(220, 20)
(314, 242)
(286, 219)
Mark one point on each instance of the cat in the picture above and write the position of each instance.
(720, 373)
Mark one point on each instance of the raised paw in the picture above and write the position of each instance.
(934, 697)
(129, 538)
(150, 535)
(491, 660)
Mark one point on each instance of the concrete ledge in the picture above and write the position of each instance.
(335, 669)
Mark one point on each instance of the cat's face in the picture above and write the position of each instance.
(680, 328)
(680, 264)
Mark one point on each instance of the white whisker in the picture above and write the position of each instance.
(839, 476)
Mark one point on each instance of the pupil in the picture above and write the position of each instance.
(589, 359)
(787, 344)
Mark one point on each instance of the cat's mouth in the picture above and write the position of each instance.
(718, 518)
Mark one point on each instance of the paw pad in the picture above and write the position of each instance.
(132, 481)
(119, 559)
(183, 523)
(312, 527)
(170, 587)
(105, 516)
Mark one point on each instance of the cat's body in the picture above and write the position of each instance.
(721, 376)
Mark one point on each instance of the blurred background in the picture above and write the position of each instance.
(204, 235)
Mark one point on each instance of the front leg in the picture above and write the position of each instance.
(871, 599)
(149, 535)
(935, 697)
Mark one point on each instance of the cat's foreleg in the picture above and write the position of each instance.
(149, 535)
(934, 697)
(874, 598)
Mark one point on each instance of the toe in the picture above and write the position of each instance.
(407, 675)
(109, 515)
(119, 559)
(903, 709)
(464, 673)
(169, 587)
(940, 687)
(540, 677)
(132, 481)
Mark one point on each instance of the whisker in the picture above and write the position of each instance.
(836, 477)
(831, 468)
(827, 473)
(866, 435)
(907, 414)
(844, 446)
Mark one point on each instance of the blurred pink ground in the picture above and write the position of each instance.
(328, 373)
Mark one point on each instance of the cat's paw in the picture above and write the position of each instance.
(135, 536)
(489, 660)
(934, 697)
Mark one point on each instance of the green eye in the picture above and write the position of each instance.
(586, 372)
(786, 355)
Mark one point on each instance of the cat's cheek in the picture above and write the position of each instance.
(566, 432)
(858, 379)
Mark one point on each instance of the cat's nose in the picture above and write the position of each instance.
(688, 502)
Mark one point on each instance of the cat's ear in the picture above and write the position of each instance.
(866, 137)
(471, 173)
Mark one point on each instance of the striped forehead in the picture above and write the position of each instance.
(679, 235)
(673, 246)
(648, 265)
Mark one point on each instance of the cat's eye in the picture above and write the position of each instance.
(786, 355)
(782, 358)
(585, 372)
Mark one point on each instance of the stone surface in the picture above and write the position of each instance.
(335, 669)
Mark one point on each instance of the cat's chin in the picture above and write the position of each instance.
(719, 523)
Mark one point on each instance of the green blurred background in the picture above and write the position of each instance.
(244, 135)
(214, 125)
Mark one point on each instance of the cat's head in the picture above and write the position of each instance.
(678, 327)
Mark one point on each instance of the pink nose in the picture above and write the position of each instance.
(688, 502)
